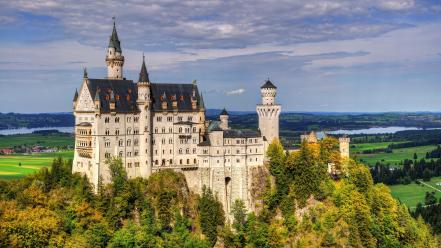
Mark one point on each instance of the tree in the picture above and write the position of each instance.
(427, 175)
(211, 215)
(430, 198)
(415, 156)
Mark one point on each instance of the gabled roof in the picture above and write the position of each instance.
(114, 41)
(122, 92)
(232, 133)
(268, 85)
(181, 93)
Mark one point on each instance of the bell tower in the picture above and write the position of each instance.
(114, 57)
(268, 112)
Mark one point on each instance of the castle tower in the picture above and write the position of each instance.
(224, 119)
(269, 112)
(144, 102)
(344, 146)
(114, 57)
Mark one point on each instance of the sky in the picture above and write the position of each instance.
(326, 56)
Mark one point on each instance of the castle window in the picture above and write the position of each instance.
(238, 160)
(156, 162)
(136, 131)
(116, 119)
(237, 141)
(194, 161)
(106, 120)
(121, 142)
(129, 142)
(163, 130)
(120, 154)
(136, 164)
(170, 161)
(194, 140)
(188, 161)
(163, 141)
(129, 154)
(129, 119)
(187, 151)
(107, 143)
(170, 141)
(156, 130)
(170, 130)
(190, 118)
(194, 129)
(117, 132)
(136, 119)
(135, 142)
(180, 130)
(158, 118)
(136, 153)
(129, 130)
(163, 162)
(180, 161)
(129, 165)
(169, 119)
(194, 150)
(179, 118)
(107, 155)
(180, 150)
(171, 151)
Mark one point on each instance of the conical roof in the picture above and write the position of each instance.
(224, 112)
(76, 95)
(114, 41)
(268, 85)
(143, 75)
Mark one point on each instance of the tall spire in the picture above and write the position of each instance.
(85, 73)
(143, 75)
(114, 41)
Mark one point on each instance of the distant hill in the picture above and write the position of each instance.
(15, 120)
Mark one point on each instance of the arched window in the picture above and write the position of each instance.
(121, 142)
(129, 142)
(117, 132)
(120, 154)
(116, 119)
(107, 131)
(129, 130)
(180, 130)
(180, 150)
(188, 161)
(135, 142)
(187, 150)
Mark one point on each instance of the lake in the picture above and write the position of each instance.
(374, 130)
(25, 130)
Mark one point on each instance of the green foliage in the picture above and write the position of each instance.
(211, 215)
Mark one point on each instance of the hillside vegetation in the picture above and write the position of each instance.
(302, 207)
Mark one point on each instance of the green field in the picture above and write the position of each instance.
(395, 157)
(10, 169)
(355, 148)
(52, 140)
(413, 193)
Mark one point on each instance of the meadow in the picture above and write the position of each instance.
(50, 140)
(413, 193)
(16, 166)
(393, 158)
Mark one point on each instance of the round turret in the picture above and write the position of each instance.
(268, 92)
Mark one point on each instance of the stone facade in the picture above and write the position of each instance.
(153, 126)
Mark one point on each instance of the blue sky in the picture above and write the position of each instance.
(335, 56)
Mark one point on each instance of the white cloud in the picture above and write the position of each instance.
(397, 4)
(236, 92)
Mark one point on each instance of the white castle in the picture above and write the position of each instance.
(154, 126)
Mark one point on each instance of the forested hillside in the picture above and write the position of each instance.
(302, 207)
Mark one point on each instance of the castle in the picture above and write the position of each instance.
(153, 126)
